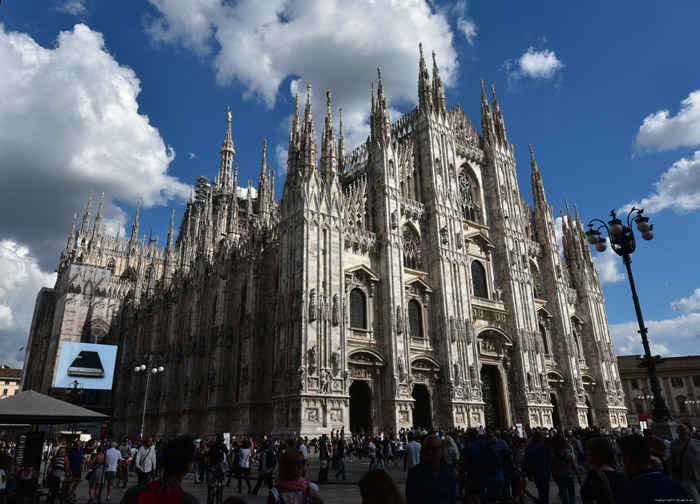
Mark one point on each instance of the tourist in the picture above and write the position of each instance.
(75, 460)
(646, 485)
(685, 462)
(292, 485)
(56, 471)
(603, 485)
(266, 466)
(324, 459)
(145, 461)
(536, 462)
(519, 482)
(431, 481)
(563, 466)
(96, 469)
(113, 460)
(412, 452)
(377, 487)
(244, 465)
(339, 457)
(178, 457)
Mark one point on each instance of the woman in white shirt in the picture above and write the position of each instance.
(244, 465)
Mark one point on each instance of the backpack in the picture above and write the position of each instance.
(161, 494)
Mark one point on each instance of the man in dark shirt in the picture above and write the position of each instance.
(536, 463)
(431, 481)
(645, 485)
(178, 456)
(215, 464)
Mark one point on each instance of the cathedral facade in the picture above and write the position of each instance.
(407, 282)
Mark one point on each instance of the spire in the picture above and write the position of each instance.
(382, 121)
(329, 160)
(424, 93)
(263, 182)
(499, 126)
(249, 202)
(134, 241)
(169, 243)
(538, 194)
(227, 152)
(341, 144)
(97, 226)
(71, 236)
(438, 89)
(308, 139)
(86, 220)
(486, 117)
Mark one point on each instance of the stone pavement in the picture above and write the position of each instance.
(333, 492)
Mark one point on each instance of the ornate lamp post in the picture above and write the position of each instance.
(693, 401)
(622, 241)
(155, 366)
(645, 396)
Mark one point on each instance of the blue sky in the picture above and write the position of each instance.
(130, 98)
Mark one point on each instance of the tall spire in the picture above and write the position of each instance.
(438, 89)
(499, 125)
(341, 144)
(308, 139)
(382, 121)
(486, 117)
(329, 160)
(134, 241)
(97, 226)
(538, 193)
(227, 152)
(424, 93)
(71, 236)
(86, 221)
(263, 182)
(169, 243)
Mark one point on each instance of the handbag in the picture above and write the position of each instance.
(92, 471)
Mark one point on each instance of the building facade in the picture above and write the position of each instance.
(680, 386)
(406, 282)
(9, 381)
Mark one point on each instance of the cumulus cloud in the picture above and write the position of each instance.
(70, 123)
(688, 304)
(660, 131)
(74, 7)
(677, 189)
(534, 64)
(20, 280)
(262, 44)
(666, 337)
(609, 267)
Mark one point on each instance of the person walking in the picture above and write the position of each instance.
(266, 466)
(536, 462)
(145, 461)
(431, 481)
(112, 461)
(603, 485)
(292, 485)
(244, 465)
(57, 469)
(339, 457)
(97, 469)
(563, 466)
(685, 462)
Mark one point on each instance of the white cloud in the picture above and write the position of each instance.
(75, 7)
(261, 44)
(69, 123)
(661, 132)
(678, 188)
(668, 338)
(20, 280)
(534, 65)
(281, 151)
(688, 304)
(608, 266)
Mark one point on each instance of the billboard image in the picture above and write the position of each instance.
(88, 363)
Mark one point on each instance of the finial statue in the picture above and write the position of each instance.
(229, 114)
(420, 47)
(308, 92)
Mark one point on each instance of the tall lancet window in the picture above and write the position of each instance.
(358, 309)
(479, 280)
(467, 193)
(415, 319)
(412, 257)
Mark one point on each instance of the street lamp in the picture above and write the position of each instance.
(622, 241)
(75, 385)
(155, 366)
(693, 401)
(645, 396)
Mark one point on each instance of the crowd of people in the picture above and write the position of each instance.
(484, 466)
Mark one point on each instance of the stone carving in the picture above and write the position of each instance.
(335, 362)
(394, 220)
(312, 360)
(399, 320)
(312, 415)
(473, 373)
(325, 382)
(458, 373)
(453, 329)
(402, 368)
(336, 310)
(312, 305)
(301, 377)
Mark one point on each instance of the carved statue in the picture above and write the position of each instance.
(394, 220)
(402, 368)
(399, 320)
(458, 372)
(336, 310)
(312, 360)
(473, 373)
(325, 382)
(335, 362)
(312, 305)
(301, 375)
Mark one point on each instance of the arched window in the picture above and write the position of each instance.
(412, 257)
(468, 197)
(358, 309)
(543, 333)
(479, 280)
(415, 319)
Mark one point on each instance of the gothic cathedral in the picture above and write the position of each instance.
(406, 282)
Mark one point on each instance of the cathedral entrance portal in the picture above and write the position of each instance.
(590, 412)
(360, 406)
(492, 395)
(421, 408)
(556, 415)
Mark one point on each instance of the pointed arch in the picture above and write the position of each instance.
(412, 255)
(479, 285)
(468, 194)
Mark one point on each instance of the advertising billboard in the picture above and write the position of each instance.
(90, 364)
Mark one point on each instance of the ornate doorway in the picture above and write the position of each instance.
(491, 390)
(360, 406)
(556, 414)
(421, 408)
